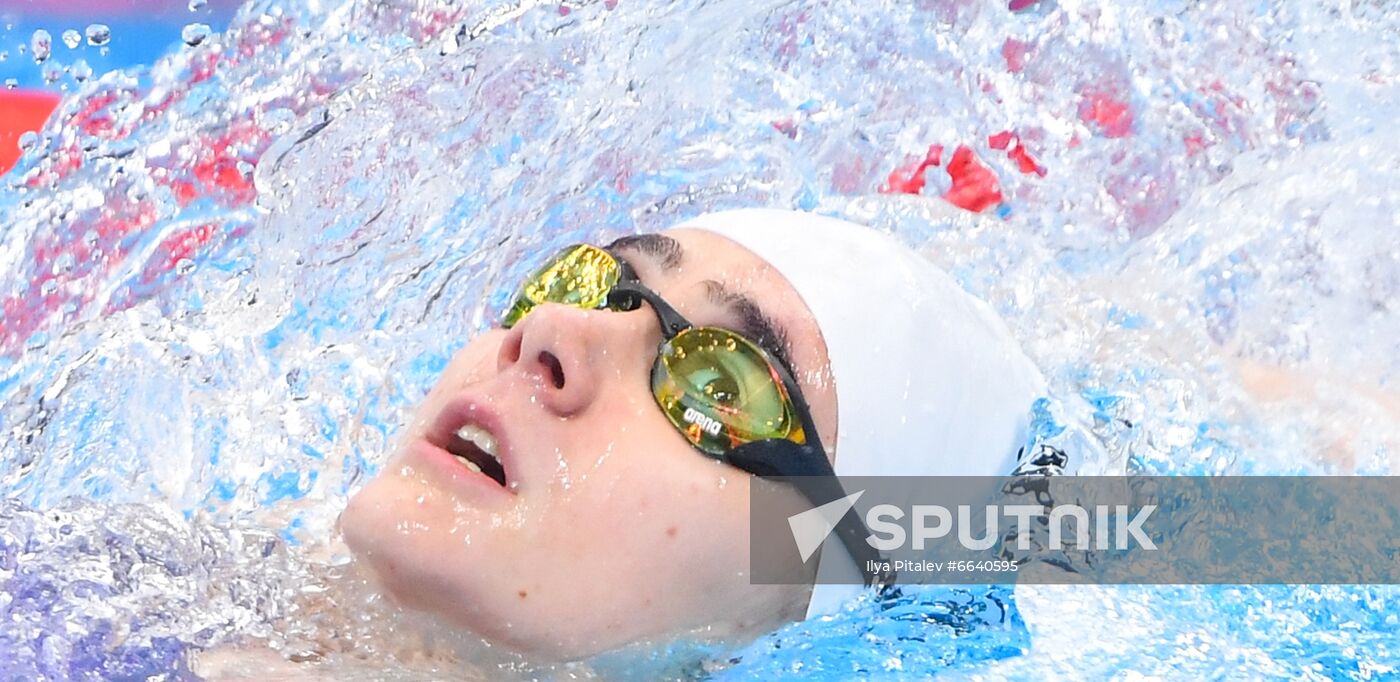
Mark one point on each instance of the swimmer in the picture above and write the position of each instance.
(579, 477)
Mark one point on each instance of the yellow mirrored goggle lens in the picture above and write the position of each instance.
(719, 390)
(579, 276)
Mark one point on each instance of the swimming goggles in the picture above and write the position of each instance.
(724, 393)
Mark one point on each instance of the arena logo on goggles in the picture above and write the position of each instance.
(706, 423)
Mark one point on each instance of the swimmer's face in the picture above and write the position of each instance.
(611, 528)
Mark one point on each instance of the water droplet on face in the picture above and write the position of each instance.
(195, 34)
(29, 139)
(98, 35)
(41, 44)
(72, 39)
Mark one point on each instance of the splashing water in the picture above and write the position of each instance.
(98, 35)
(194, 34)
(227, 278)
(72, 38)
(41, 45)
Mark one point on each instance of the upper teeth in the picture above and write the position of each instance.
(479, 437)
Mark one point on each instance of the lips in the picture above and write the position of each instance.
(473, 435)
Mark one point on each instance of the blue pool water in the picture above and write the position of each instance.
(227, 277)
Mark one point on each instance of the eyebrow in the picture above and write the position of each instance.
(667, 251)
(754, 324)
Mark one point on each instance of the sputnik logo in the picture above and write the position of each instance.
(811, 528)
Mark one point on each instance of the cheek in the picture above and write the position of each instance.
(641, 547)
(655, 510)
(637, 480)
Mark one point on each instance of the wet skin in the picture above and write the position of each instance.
(611, 528)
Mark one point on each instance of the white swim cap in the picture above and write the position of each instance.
(929, 381)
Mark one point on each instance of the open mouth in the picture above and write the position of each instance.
(476, 449)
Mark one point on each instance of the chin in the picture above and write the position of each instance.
(412, 571)
(369, 525)
(373, 527)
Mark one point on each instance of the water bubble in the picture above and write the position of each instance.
(72, 39)
(11, 83)
(80, 70)
(98, 35)
(29, 139)
(196, 5)
(41, 44)
(195, 34)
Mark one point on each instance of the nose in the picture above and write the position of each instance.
(573, 354)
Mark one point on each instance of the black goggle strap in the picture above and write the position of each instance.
(806, 467)
(627, 274)
(629, 295)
